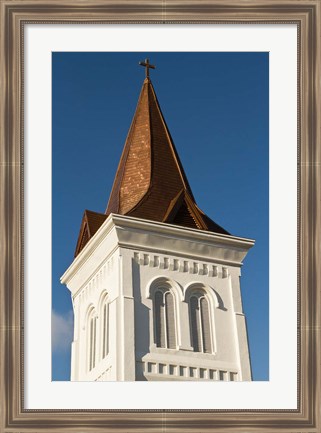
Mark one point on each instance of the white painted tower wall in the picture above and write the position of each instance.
(122, 266)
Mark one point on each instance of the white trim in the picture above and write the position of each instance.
(120, 222)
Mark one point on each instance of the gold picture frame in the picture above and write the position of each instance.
(14, 15)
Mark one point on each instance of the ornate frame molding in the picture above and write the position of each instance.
(14, 14)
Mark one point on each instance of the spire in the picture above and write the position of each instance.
(150, 181)
(150, 173)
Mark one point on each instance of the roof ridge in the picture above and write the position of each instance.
(174, 205)
(172, 146)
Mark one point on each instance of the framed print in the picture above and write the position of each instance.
(271, 52)
(247, 71)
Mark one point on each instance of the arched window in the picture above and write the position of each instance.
(200, 323)
(92, 333)
(164, 319)
(105, 329)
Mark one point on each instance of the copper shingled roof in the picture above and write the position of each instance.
(150, 173)
(91, 222)
(150, 181)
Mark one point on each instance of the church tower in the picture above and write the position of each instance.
(155, 282)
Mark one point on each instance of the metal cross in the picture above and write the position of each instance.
(147, 66)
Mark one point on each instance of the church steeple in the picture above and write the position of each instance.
(150, 181)
(133, 321)
(149, 168)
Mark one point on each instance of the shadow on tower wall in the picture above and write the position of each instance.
(141, 322)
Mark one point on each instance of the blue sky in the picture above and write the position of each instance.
(216, 108)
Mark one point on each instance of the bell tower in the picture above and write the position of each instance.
(155, 282)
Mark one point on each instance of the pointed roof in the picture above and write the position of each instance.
(150, 181)
(91, 222)
(150, 173)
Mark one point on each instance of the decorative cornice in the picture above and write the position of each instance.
(121, 222)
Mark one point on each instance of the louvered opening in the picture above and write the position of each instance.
(170, 321)
(195, 324)
(92, 343)
(105, 331)
(201, 338)
(164, 319)
(184, 218)
(159, 319)
(206, 330)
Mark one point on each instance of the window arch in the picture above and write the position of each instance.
(200, 323)
(164, 319)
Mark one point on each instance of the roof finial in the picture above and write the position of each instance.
(147, 66)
